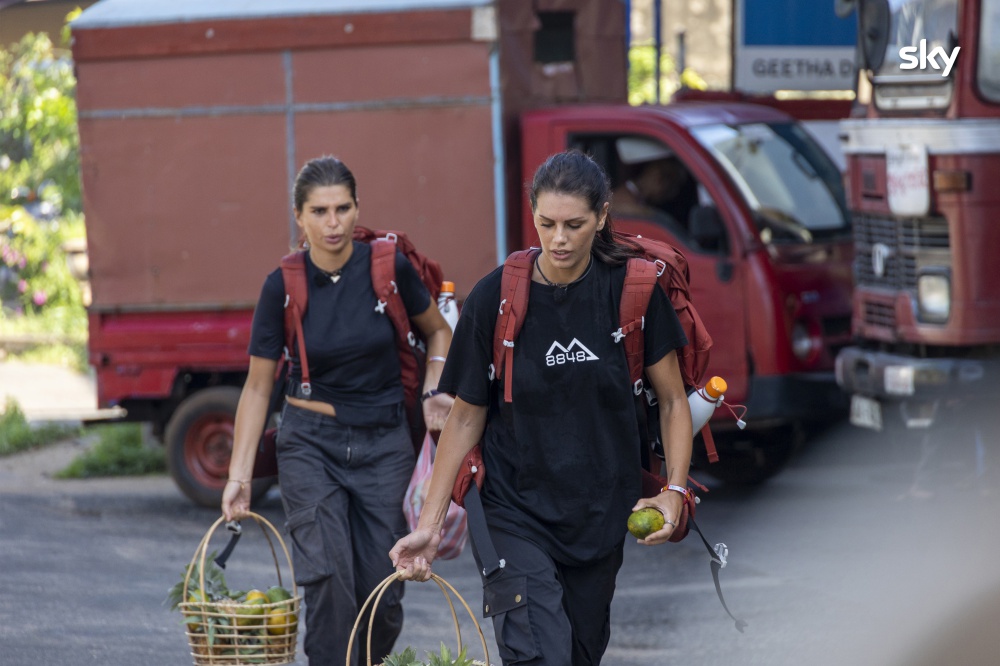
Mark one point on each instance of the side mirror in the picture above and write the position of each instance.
(707, 229)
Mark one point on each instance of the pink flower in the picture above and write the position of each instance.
(22, 286)
(39, 298)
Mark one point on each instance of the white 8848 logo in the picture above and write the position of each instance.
(574, 352)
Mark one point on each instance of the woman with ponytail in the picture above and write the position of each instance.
(563, 458)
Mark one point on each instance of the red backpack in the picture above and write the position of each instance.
(409, 342)
(661, 264)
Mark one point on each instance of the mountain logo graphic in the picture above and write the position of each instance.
(574, 352)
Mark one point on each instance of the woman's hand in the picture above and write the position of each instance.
(412, 555)
(670, 504)
(236, 500)
(436, 410)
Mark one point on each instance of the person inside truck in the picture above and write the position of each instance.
(561, 479)
(653, 184)
(345, 454)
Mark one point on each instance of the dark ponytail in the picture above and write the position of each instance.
(578, 175)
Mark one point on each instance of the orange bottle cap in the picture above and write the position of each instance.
(448, 286)
(716, 387)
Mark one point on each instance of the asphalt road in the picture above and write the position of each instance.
(833, 561)
(840, 559)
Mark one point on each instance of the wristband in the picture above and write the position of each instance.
(680, 489)
(430, 394)
(440, 359)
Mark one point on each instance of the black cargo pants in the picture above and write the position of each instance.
(342, 488)
(547, 612)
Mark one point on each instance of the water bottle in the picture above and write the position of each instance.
(447, 304)
(704, 401)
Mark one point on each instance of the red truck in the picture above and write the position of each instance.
(194, 120)
(926, 310)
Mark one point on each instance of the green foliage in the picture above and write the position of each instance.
(642, 77)
(39, 145)
(39, 190)
(408, 657)
(34, 274)
(215, 584)
(16, 434)
(119, 451)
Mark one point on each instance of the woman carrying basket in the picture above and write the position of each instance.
(344, 451)
(562, 459)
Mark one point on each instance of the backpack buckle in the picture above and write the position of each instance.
(618, 335)
(380, 308)
(508, 343)
(502, 304)
(637, 387)
(395, 289)
(288, 357)
(411, 338)
(651, 398)
(661, 267)
(306, 389)
(390, 236)
(288, 299)
(492, 373)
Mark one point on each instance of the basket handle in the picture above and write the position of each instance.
(201, 552)
(445, 586)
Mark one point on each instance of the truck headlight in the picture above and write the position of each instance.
(806, 344)
(934, 297)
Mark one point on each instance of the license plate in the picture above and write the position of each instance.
(866, 413)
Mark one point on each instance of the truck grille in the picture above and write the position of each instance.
(888, 252)
(880, 314)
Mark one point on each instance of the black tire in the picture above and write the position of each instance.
(749, 459)
(199, 441)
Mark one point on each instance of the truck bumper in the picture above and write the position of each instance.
(916, 386)
(887, 376)
(806, 397)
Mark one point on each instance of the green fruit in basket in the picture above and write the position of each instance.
(250, 613)
(276, 594)
(644, 522)
(281, 622)
(253, 595)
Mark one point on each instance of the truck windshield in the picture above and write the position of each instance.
(793, 187)
(920, 39)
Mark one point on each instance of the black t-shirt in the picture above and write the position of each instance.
(353, 359)
(563, 462)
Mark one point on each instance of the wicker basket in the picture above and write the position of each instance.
(446, 588)
(234, 633)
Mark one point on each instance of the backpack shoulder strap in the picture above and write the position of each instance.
(640, 279)
(383, 270)
(515, 285)
(293, 274)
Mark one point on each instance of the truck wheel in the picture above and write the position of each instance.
(199, 440)
(747, 459)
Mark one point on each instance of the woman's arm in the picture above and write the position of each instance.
(675, 432)
(413, 554)
(437, 333)
(251, 415)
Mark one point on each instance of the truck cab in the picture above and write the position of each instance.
(921, 164)
(758, 209)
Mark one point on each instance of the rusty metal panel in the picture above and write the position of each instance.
(183, 212)
(392, 72)
(423, 171)
(230, 80)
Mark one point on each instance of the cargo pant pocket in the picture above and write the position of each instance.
(505, 600)
(309, 552)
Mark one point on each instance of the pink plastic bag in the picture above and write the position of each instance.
(455, 531)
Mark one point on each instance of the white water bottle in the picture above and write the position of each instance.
(704, 401)
(447, 304)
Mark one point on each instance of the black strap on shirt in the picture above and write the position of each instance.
(476, 518)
